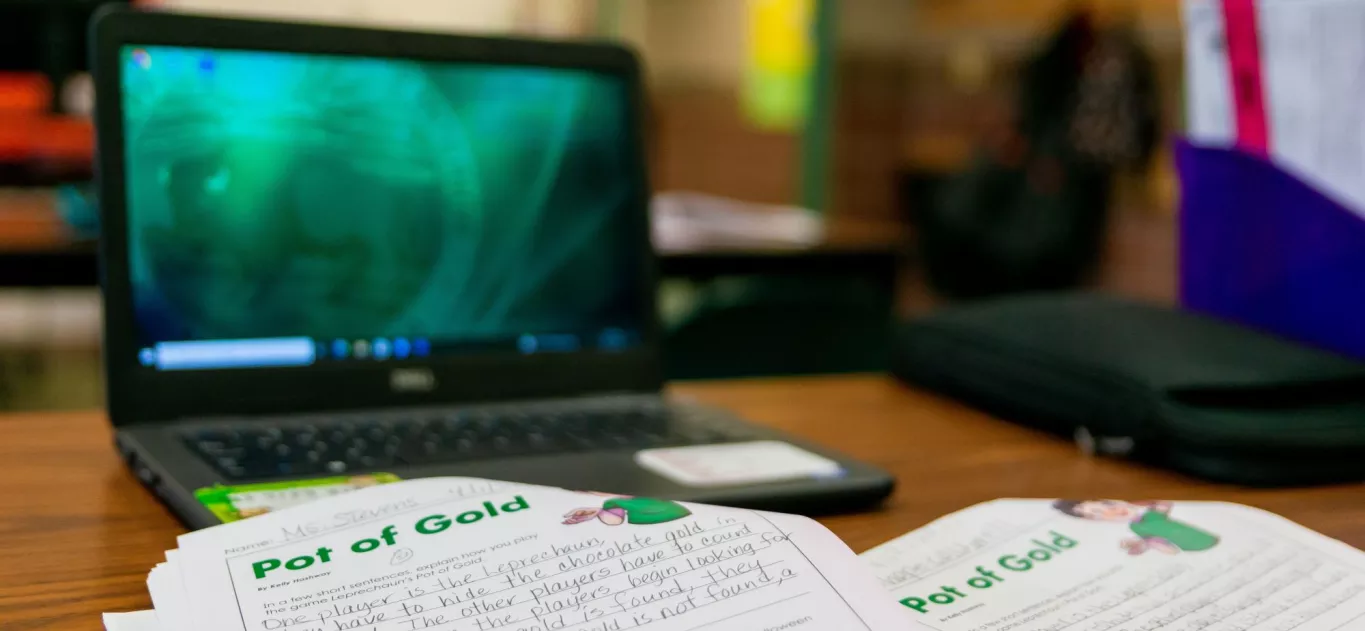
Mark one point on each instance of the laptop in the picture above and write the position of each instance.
(334, 255)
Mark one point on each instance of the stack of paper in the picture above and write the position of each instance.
(463, 554)
(688, 221)
(460, 554)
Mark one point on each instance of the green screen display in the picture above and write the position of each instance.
(280, 194)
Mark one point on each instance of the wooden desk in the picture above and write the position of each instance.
(78, 534)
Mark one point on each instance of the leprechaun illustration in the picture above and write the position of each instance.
(619, 509)
(1150, 521)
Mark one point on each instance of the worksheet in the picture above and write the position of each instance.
(1111, 565)
(459, 554)
(131, 621)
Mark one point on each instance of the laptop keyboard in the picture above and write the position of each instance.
(366, 442)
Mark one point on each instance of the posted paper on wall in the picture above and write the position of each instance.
(1312, 59)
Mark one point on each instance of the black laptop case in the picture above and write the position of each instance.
(1167, 387)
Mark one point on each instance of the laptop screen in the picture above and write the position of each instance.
(294, 209)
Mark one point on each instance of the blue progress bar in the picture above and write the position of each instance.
(257, 353)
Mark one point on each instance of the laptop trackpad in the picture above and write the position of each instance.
(736, 463)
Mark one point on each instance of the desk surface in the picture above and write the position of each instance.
(78, 534)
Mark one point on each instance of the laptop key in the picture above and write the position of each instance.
(302, 438)
(376, 433)
(409, 428)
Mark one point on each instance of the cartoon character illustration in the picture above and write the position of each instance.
(1150, 521)
(619, 509)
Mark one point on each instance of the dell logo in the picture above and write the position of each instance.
(412, 380)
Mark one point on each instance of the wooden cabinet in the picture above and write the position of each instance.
(1034, 14)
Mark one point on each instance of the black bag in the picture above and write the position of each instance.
(1170, 388)
(1030, 212)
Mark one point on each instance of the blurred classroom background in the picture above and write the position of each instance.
(822, 166)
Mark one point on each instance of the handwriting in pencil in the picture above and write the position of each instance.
(597, 583)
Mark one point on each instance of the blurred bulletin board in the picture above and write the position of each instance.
(1035, 14)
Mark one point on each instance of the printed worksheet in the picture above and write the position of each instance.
(465, 555)
(131, 621)
(1110, 565)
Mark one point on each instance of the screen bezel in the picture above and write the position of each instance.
(136, 394)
